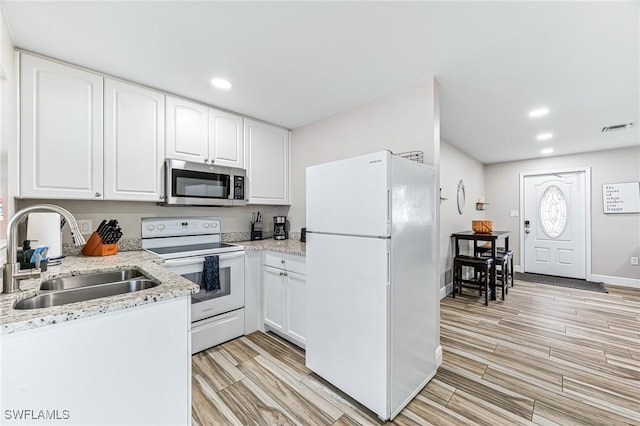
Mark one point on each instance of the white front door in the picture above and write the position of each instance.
(555, 225)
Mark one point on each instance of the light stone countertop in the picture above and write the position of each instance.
(171, 286)
(290, 246)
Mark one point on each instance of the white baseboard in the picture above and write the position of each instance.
(518, 268)
(438, 356)
(445, 290)
(621, 281)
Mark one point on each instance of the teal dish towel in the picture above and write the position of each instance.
(211, 274)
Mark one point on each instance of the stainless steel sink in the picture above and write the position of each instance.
(81, 294)
(77, 281)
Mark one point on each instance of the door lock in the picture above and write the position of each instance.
(527, 226)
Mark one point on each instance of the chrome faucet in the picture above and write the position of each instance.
(12, 273)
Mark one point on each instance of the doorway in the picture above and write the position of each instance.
(556, 223)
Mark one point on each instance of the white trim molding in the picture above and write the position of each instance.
(587, 218)
(438, 356)
(621, 281)
(444, 291)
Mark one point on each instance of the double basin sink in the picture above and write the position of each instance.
(80, 288)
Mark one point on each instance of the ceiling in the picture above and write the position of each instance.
(292, 63)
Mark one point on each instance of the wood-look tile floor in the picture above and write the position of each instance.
(548, 355)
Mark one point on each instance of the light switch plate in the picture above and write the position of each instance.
(514, 213)
(634, 261)
(86, 227)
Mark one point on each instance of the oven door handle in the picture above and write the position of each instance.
(200, 259)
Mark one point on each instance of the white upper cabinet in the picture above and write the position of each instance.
(267, 162)
(203, 135)
(72, 148)
(61, 131)
(225, 139)
(187, 130)
(133, 142)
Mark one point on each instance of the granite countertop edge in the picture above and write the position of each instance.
(290, 246)
(171, 286)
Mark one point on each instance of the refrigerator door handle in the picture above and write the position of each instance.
(388, 268)
(388, 211)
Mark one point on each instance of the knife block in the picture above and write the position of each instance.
(256, 231)
(95, 247)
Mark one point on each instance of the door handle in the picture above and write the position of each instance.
(527, 226)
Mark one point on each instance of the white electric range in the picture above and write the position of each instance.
(184, 243)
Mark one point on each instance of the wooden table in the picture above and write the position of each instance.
(493, 237)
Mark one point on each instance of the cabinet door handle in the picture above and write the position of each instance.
(285, 274)
(282, 260)
(98, 194)
(281, 274)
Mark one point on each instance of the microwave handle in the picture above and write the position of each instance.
(196, 260)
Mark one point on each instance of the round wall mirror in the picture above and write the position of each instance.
(461, 196)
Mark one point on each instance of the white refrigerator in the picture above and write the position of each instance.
(373, 294)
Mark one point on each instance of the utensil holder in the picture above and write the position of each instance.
(95, 247)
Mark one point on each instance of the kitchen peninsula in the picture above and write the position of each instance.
(126, 357)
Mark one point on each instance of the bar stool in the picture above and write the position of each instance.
(481, 267)
(485, 251)
(502, 271)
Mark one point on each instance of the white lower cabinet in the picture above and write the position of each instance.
(284, 296)
(127, 367)
(295, 305)
(274, 298)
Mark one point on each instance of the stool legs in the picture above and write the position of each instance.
(486, 288)
(511, 270)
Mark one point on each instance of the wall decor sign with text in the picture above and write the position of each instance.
(621, 197)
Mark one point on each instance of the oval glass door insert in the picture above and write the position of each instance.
(553, 212)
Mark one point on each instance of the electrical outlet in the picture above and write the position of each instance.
(86, 227)
(634, 261)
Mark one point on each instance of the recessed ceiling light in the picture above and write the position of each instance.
(221, 83)
(544, 136)
(546, 151)
(538, 112)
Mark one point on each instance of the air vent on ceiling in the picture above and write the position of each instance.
(617, 127)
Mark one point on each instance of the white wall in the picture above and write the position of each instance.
(614, 237)
(8, 127)
(454, 166)
(403, 121)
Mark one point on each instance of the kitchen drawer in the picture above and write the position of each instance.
(213, 331)
(286, 262)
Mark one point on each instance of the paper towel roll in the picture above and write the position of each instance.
(45, 228)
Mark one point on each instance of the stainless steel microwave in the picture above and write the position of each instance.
(193, 184)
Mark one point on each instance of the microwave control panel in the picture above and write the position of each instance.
(238, 187)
